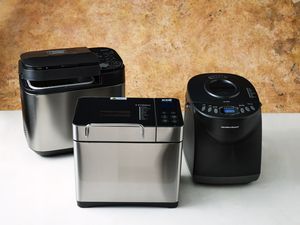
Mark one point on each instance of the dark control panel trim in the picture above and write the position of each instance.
(226, 111)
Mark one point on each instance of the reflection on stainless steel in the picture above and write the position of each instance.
(48, 117)
(32, 86)
(127, 172)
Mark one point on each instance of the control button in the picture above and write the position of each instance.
(252, 107)
(203, 108)
(174, 121)
(216, 111)
(104, 65)
(116, 63)
(209, 109)
(163, 112)
(173, 116)
(165, 120)
(242, 110)
(173, 113)
(164, 116)
(247, 109)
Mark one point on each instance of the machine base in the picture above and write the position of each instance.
(225, 180)
(54, 152)
(145, 204)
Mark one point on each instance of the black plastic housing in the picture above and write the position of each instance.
(222, 146)
(62, 67)
(128, 204)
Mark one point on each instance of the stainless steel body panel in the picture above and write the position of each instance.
(169, 134)
(48, 117)
(127, 172)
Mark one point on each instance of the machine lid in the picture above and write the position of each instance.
(115, 110)
(127, 119)
(221, 95)
(58, 64)
(67, 57)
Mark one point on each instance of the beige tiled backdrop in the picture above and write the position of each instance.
(164, 43)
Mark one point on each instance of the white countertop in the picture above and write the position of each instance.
(38, 190)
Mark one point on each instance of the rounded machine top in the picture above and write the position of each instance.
(222, 94)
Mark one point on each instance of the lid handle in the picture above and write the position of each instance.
(88, 126)
(67, 85)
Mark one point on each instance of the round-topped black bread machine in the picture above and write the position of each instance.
(223, 129)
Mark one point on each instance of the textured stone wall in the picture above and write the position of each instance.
(164, 43)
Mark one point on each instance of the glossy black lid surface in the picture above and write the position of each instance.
(96, 110)
(222, 94)
(57, 64)
(58, 58)
(144, 111)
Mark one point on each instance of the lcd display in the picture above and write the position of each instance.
(229, 110)
(112, 113)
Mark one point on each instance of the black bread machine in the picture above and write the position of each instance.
(223, 129)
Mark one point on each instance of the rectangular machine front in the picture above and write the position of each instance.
(140, 173)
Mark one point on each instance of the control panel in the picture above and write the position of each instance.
(148, 112)
(227, 110)
(168, 112)
(108, 58)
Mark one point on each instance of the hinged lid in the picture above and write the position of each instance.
(58, 64)
(222, 95)
(115, 119)
(127, 120)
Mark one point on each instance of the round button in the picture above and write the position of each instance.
(174, 121)
(116, 63)
(104, 65)
(247, 108)
(216, 111)
(203, 108)
(165, 121)
(252, 107)
(173, 116)
(242, 110)
(209, 109)
(164, 116)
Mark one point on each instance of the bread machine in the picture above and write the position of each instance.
(50, 83)
(223, 129)
(127, 151)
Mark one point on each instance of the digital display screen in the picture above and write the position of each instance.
(119, 113)
(104, 110)
(229, 110)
